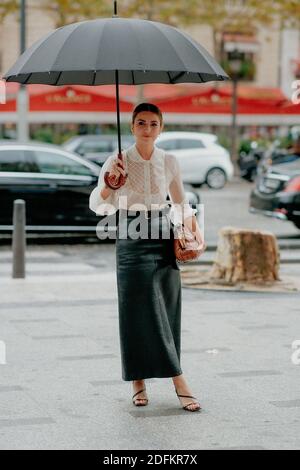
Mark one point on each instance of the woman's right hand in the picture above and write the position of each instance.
(116, 168)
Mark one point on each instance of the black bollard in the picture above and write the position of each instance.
(19, 239)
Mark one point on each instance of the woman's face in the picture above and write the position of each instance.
(146, 127)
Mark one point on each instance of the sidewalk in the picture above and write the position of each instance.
(61, 388)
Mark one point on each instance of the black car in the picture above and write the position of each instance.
(276, 157)
(259, 160)
(277, 192)
(55, 184)
(96, 148)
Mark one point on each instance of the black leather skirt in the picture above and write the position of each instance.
(149, 298)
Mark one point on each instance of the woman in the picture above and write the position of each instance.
(148, 277)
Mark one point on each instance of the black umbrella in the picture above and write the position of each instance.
(115, 51)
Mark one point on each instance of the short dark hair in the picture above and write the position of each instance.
(152, 108)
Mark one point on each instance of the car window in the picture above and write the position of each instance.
(125, 144)
(16, 160)
(285, 158)
(50, 162)
(186, 144)
(170, 144)
(95, 147)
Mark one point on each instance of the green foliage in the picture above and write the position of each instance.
(245, 146)
(224, 140)
(247, 71)
(7, 7)
(43, 134)
(71, 11)
(288, 12)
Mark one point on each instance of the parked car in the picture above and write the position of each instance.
(96, 148)
(201, 158)
(276, 157)
(277, 192)
(258, 160)
(55, 184)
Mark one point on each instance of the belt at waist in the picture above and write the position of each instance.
(147, 214)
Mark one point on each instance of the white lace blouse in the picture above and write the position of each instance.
(146, 187)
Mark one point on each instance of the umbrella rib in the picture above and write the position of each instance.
(35, 48)
(203, 51)
(170, 78)
(74, 30)
(99, 50)
(58, 78)
(179, 75)
(162, 32)
(28, 77)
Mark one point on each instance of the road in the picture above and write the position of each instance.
(61, 384)
(230, 206)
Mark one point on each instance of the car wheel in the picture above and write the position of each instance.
(216, 178)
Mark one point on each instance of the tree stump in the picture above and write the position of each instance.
(246, 256)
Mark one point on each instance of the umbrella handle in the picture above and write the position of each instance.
(112, 181)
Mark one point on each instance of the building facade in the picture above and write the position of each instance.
(270, 58)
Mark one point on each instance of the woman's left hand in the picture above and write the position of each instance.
(192, 224)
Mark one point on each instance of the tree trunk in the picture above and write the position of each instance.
(246, 256)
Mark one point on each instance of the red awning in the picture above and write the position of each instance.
(69, 98)
(189, 100)
(219, 100)
(127, 92)
(291, 108)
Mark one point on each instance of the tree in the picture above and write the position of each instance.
(7, 7)
(154, 10)
(221, 15)
(63, 11)
(71, 11)
(288, 11)
(235, 16)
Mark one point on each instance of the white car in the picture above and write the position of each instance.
(201, 158)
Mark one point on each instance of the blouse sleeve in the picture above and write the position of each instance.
(180, 209)
(99, 205)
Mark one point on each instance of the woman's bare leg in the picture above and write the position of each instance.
(183, 389)
(141, 397)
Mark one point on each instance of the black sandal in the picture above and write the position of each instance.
(192, 403)
(140, 404)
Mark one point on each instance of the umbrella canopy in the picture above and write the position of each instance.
(89, 53)
(115, 50)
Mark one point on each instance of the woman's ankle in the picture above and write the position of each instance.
(180, 382)
(138, 382)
